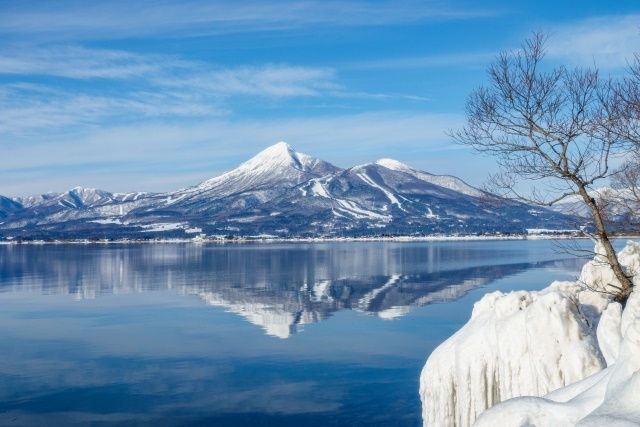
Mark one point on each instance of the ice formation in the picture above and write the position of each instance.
(569, 343)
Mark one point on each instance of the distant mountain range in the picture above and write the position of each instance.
(280, 192)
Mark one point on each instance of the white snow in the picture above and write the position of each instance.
(108, 221)
(278, 166)
(389, 194)
(318, 189)
(163, 226)
(351, 208)
(170, 200)
(571, 344)
(365, 302)
(446, 181)
(276, 319)
(608, 398)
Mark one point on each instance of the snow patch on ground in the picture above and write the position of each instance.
(389, 194)
(164, 226)
(318, 189)
(108, 221)
(356, 211)
(566, 338)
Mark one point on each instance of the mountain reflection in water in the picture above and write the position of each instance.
(278, 287)
(120, 335)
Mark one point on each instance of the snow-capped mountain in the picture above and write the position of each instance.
(376, 199)
(446, 181)
(254, 182)
(280, 192)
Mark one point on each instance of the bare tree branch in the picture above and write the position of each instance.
(554, 128)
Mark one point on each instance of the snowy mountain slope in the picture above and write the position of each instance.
(254, 182)
(373, 197)
(77, 204)
(8, 206)
(283, 192)
(75, 198)
(445, 181)
(278, 166)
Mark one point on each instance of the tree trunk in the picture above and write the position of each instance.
(626, 285)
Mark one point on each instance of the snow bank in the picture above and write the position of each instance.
(609, 397)
(532, 343)
(516, 344)
(597, 274)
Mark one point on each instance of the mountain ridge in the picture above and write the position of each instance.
(280, 192)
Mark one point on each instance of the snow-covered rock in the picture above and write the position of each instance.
(608, 398)
(598, 275)
(516, 344)
(610, 333)
(532, 343)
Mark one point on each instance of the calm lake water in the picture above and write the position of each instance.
(241, 335)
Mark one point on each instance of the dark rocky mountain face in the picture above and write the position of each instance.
(280, 192)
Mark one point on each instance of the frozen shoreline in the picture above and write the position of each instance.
(563, 356)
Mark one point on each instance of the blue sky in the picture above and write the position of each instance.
(159, 95)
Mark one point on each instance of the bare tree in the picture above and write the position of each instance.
(624, 198)
(548, 127)
(627, 104)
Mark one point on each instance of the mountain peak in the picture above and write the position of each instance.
(281, 154)
(281, 146)
(393, 165)
(277, 166)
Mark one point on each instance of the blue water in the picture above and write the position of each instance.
(241, 335)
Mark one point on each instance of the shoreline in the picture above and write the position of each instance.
(250, 239)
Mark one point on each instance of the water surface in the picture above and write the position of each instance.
(256, 334)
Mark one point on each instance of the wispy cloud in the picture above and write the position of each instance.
(608, 42)
(119, 18)
(34, 111)
(276, 80)
(166, 156)
(45, 86)
(73, 61)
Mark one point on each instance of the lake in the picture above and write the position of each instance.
(278, 334)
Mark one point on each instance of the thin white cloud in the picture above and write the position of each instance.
(165, 156)
(138, 86)
(276, 80)
(608, 42)
(31, 111)
(78, 62)
(134, 86)
(96, 20)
